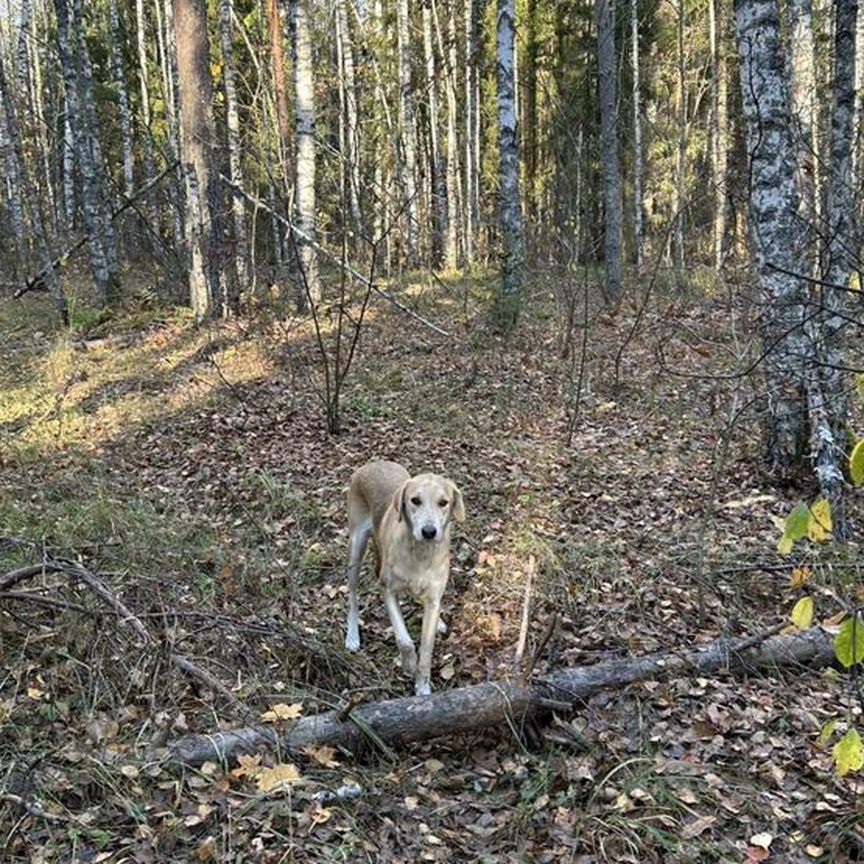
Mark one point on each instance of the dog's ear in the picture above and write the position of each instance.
(399, 502)
(458, 509)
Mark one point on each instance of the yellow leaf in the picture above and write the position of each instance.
(248, 766)
(802, 613)
(849, 753)
(784, 544)
(819, 526)
(799, 578)
(322, 755)
(278, 778)
(35, 693)
(856, 463)
(282, 712)
(320, 815)
(825, 734)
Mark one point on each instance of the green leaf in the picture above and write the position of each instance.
(802, 613)
(820, 525)
(849, 753)
(826, 733)
(849, 642)
(856, 463)
(784, 544)
(797, 523)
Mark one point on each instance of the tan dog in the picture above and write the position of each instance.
(409, 519)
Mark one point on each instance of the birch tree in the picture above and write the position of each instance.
(609, 149)
(117, 40)
(719, 146)
(407, 130)
(438, 190)
(309, 287)
(638, 168)
(508, 300)
(472, 128)
(349, 122)
(776, 238)
(451, 237)
(238, 211)
(207, 287)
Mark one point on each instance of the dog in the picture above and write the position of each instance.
(409, 519)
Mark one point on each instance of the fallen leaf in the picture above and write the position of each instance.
(278, 778)
(324, 755)
(699, 826)
(281, 711)
(764, 839)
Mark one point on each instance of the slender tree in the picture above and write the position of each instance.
(609, 149)
(309, 287)
(438, 190)
(117, 40)
(472, 128)
(280, 90)
(508, 299)
(349, 122)
(638, 165)
(719, 131)
(407, 130)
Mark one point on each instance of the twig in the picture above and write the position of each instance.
(526, 615)
(192, 669)
(386, 295)
(541, 645)
(33, 808)
(8, 580)
(39, 600)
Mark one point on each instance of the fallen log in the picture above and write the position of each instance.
(466, 709)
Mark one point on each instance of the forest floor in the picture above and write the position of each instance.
(192, 468)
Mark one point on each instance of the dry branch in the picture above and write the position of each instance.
(466, 709)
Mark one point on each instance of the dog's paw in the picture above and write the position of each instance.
(422, 688)
(352, 642)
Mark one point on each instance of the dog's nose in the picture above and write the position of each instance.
(429, 532)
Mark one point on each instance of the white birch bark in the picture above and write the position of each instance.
(508, 300)
(68, 171)
(117, 41)
(454, 206)
(775, 235)
(144, 90)
(438, 189)
(638, 169)
(719, 126)
(681, 150)
(407, 130)
(238, 210)
(12, 197)
(165, 43)
(609, 149)
(472, 129)
(309, 287)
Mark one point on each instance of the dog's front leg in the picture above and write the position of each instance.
(431, 617)
(403, 639)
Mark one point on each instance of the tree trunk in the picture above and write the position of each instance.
(407, 131)
(472, 129)
(438, 190)
(68, 170)
(529, 128)
(197, 147)
(719, 126)
(144, 89)
(309, 285)
(348, 85)
(829, 449)
(117, 41)
(638, 169)
(451, 238)
(681, 151)
(397, 722)
(17, 162)
(609, 149)
(775, 234)
(102, 256)
(508, 300)
(280, 92)
(238, 211)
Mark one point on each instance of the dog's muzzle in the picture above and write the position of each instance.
(429, 532)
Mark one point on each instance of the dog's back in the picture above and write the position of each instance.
(372, 488)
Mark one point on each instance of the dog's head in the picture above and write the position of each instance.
(428, 503)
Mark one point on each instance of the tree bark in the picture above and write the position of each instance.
(719, 126)
(144, 89)
(508, 300)
(638, 168)
(398, 722)
(775, 234)
(438, 189)
(451, 237)
(309, 286)
(609, 149)
(407, 131)
(348, 86)
(197, 146)
(472, 129)
(238, 211)
(681, 150)
(280, 91)
(117, 39)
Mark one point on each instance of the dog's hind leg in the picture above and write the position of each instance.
(359, 538)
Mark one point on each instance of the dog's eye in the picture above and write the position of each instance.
(415, 501)
(443, 502)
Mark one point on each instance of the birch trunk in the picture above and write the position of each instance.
(681, 151)
(348, 83)
(103, 274)
(638, 169)
(68, 171)
(117, 41)
(451, 245)
(529, 127)
(309, 285)
(472, 130)
(197, 146)
(280, 92)
(407, 131)
(438, 191)
(12, 184)
(144, 87)
(775, 237)
(19, 166)
(840, 252)
(238, 211)
(609, 149)
(508, 301)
